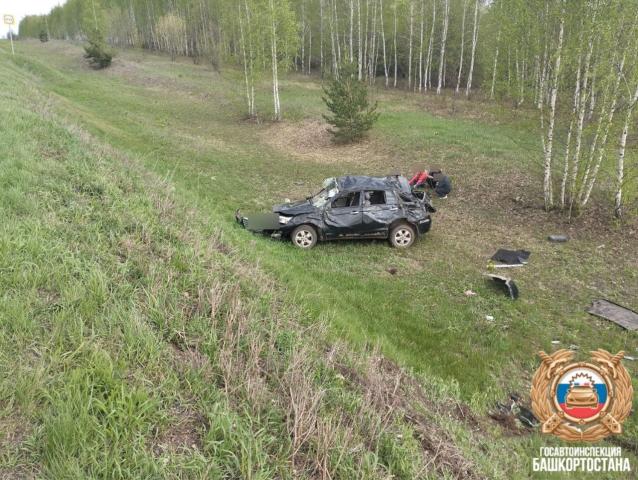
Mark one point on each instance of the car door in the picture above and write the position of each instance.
(343, 216)
(380, 209)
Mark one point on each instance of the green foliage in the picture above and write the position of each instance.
(44, 37)
(98, 54)
(347, 98)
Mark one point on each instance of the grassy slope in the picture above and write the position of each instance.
(135, 343)
(184, 123)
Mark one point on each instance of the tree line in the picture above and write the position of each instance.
(573, 61)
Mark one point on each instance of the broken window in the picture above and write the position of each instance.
(349, 200)
(375, 197)
(390, 198)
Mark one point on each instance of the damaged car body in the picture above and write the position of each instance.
(349, 207)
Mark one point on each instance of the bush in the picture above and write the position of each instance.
(98, 54)
(347, 98)
(44, 36)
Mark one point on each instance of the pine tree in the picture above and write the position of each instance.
(347, 99)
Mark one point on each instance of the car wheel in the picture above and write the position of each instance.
(402, 236)
(304, 236)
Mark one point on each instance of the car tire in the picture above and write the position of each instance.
(304, 237)
(402, 235)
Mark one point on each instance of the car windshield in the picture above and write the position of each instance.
(328, 191)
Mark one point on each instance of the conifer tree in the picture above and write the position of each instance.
(347, 99)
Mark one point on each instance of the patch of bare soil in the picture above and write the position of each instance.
(310, 140)
(183, 432)
(13, 431)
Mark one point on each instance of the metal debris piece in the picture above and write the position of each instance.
(628, 319)
(558, 238)
(511, 257)
(507, 283)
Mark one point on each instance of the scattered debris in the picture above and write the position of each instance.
(573, 347)
(469, 293)
(555, 342)
(558, 238)
(510, 257)
(514, 416)
(299, 184)
(628, 319)
(392, 270)
(507, 283)
(489, 318)
(630, 358)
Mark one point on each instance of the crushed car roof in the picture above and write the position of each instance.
(354, 182)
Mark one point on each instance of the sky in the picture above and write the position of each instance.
(21, 8)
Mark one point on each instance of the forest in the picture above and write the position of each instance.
(575, 62)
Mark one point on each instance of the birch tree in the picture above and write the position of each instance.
(474, 42)
(422, 15)
(446, 19)
(458, 79)
(411, 22)
(548, 138)
(428, 62)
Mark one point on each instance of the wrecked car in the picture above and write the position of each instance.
(349, 207)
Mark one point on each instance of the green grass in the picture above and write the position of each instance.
(94, 331)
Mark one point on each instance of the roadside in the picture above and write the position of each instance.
(195, 138)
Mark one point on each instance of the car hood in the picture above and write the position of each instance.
(294, 208)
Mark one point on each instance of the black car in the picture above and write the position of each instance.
(350, 207)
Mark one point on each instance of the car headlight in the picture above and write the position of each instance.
(284, 220)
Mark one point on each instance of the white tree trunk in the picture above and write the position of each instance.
(351, 31)
(321, 36)
(365, 38)
(275, 73)
(336, 29)
(410, 44)
(446, 19)
(303, 35)
(579, 126)
(396, 65)
(468, 88)
(385, 59)
(360, 44)
(563, 185)
(309, 49)
(245, 57)
(422, 13)
(547, 178)
(333, 40)
(458, 79)
(498, 42)
(428, 63)
(372, 64)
